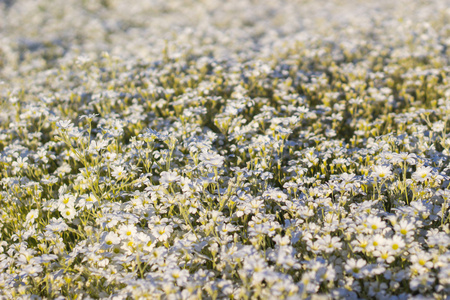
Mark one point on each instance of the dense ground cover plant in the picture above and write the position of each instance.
(224, 149)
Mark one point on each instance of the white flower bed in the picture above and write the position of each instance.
(224, 149)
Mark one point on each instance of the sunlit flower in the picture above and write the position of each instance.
(396, 244)
(382, 172)
(87, 201)
(169, 177)
(356, 267)
(112, 239)
(127, 231)
(68, 213)
(211, 159)
(32, 215)
(422, 173)
(119, 172)
(405, 228)
(162, 232)
(374, 223)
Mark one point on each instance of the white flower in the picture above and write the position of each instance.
(31, 270)
(375, 223)
(376, 242)
(65, 201)
(127, 231)
(32, 215)
(444, 275)
(109, 156)
(119, 172)
(421, 174)
(162, 232)
(396, 244)
(329, 244)
(422, 281)
(96, 146)
(226, 228)
(211, 160)
(68, 213)
(112, 239)
(21, 163)
(423, 259)
(438, 126)
(282, 241)
(176, 274)
(57, 225)
(355, 267)
(405, 228)
(87, 201)
(402, 157)
(169, 177)
(384, 254)
(361, 243)
(382, 172)
(64, 125)
(276, 195)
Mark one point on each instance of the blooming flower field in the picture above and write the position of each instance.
(183, 149)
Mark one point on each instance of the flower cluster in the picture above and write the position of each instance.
(224, 149)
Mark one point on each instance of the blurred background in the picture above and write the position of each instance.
(39, 34)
